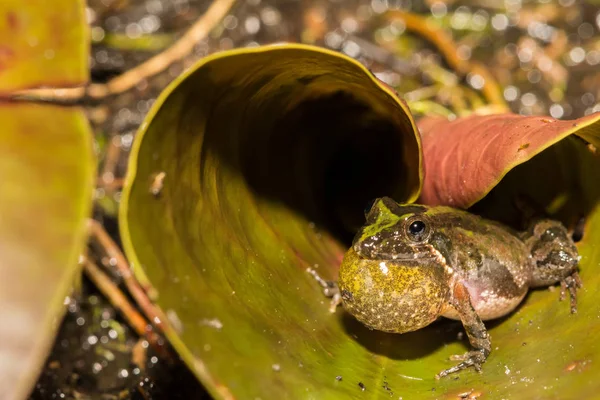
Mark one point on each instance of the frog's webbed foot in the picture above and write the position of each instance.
(476, 332)
(330, 289)
(474, 359)
(571, 283)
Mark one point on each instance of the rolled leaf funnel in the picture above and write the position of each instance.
(252, 166)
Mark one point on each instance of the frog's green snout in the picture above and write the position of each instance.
(390, 296)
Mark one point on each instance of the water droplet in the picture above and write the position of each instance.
(500, 22)
(97, 34)
(476, 81)
(585, 30)
(439, 9)
(351, 48)
(270, 16)
(230, 22)
(577, 55)
(379, 6)
(92, 339)
(333, 40)
(511, 93)
(150, 23)
(556, 111)
(252, 24)
(464, 52)
(529, 99)
(96, 368)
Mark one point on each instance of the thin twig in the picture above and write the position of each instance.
(110, 185)
(130, 78)
(140, 295)
(107, 178)
(119, 301)
(444, 43)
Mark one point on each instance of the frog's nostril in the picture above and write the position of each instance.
(347, 296)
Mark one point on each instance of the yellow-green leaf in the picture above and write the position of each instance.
(47, 173)
(42, 44)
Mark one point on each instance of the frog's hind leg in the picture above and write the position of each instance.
(476, 332)
(555, 259)
(330, 289)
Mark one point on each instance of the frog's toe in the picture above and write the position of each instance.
(571, 283)
(336, 300)
(474, 359)
(330, 289)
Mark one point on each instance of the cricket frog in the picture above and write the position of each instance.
(410, 264)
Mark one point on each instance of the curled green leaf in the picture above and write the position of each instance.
(253, 166)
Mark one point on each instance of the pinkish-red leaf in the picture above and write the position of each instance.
(466, 158)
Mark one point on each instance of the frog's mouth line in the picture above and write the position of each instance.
(407, 257)
(373, 254)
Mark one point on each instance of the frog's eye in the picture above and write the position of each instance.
(417, 229)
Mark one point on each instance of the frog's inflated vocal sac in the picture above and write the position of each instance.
(410, 264)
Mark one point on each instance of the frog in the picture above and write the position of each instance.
(411, 264)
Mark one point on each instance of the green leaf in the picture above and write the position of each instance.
(47, 173)
(42, 44)
(243, 177)
(253, 166)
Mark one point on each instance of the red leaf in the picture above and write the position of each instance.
(467, 157)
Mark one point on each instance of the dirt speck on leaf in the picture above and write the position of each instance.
(577, 365)
(387, 387)
(213, 323)
(158, 181)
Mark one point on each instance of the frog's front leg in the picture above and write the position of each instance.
(330, 289)
(555, 259)
(476, 332)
